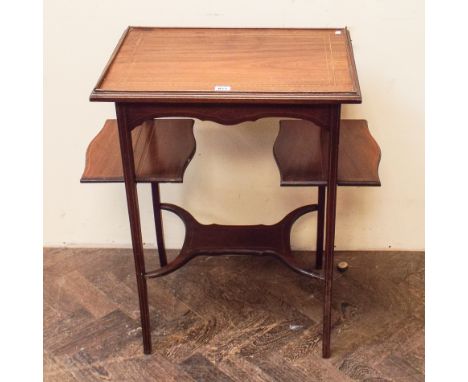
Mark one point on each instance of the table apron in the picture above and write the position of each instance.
(226, 114)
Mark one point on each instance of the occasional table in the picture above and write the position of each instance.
(158, 78)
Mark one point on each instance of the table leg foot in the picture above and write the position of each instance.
(326, 337)
(145, 318)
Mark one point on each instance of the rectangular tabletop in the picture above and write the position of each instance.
(221, 64)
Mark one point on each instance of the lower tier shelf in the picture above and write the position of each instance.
(259, 240)
(301, 153)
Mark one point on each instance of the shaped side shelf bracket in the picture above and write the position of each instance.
(162, 150)
(301, 153)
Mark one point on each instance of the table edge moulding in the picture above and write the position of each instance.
(232, 96)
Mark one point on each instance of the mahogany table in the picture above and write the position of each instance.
(230, 76)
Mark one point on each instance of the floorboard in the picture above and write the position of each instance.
(232, 318)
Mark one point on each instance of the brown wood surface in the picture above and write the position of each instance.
(222, 319)
(228, 76)
(258, 240)
(158, 223)
(301, 154)
(332, 182)
(128, 164)
(162, 150)
(256, 64)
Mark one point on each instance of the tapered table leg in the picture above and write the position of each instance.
(320, 227)
(330, 226)
(158, 223)
(126, 149)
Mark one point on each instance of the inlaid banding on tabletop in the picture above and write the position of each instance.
(288, 64)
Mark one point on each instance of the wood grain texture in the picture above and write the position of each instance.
(301, 154)
(190, 63)
(223, 319)
(225, 113)
(162, 150)
(258, 240)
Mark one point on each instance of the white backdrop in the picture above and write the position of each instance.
(233, 178)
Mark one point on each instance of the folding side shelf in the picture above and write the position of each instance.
(301, 153)
(162, 150)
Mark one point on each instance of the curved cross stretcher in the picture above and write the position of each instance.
(215, 239)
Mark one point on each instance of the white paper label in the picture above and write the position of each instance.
(222, 88)
(337, 32)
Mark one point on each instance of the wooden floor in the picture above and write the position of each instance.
(232, 319)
